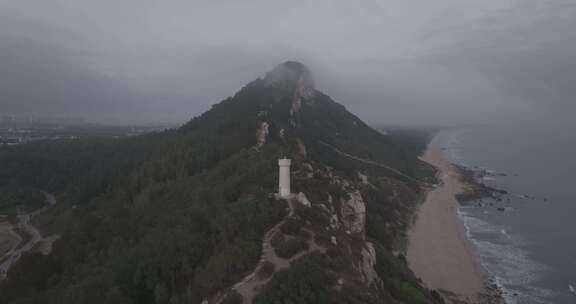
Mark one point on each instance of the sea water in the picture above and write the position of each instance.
(530, 248)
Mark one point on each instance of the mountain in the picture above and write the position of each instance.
(189, 215)
(287, 110)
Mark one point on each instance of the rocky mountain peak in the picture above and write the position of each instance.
(290, 74)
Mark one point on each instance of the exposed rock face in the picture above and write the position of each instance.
(301, 147)
(301, 93)
(262, 134)
(334, 222)
(302, 199)
(347, 214)
(297, 78)
(367, 264)
(290, 74)
(363, 178)
(353, 213)
(297, 98)
(333, 240)
(308, 170)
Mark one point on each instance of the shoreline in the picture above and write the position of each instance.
(439, 251)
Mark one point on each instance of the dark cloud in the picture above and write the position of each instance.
(528, 52)
(40, 74)
(397, 61)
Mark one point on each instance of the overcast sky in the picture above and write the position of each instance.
(393, 61)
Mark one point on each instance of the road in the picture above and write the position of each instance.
(24, 222)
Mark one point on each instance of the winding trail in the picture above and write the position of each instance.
(249, 286)
(372, 163)
(12, 256)
(10, 238)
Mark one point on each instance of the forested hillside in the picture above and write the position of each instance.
(180, 216)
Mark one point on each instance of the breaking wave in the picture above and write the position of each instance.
(502, 257)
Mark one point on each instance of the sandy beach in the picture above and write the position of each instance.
(438, 250)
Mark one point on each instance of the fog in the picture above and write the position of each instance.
(389, 62)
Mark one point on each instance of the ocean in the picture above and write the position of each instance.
(530, 248)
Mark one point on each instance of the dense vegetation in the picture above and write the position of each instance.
(176, 216)
(173, 239)
(413, 140)
(14, 199)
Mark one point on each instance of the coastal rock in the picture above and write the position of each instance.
(476, 189)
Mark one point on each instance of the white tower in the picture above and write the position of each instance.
(284, 178)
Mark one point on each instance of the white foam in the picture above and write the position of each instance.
(501, 252)
(504, 260)
(571, 288)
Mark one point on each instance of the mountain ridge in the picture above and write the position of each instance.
(282, 104)
(180, 216)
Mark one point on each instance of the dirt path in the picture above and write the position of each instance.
(9, 238)
(372, 163)
(249, 286)
(12, 256)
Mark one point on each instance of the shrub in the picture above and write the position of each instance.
(291, 227)
(277, 240)
(266, 271)
(411, 294)
(291, 247)
(233, 297)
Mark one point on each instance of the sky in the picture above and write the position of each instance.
(389, 62)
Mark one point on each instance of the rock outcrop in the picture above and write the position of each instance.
(353, 213)
(262, 134)
(367, 263)
(291, 74)
(302, 199)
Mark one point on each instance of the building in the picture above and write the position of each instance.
(284, 178)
